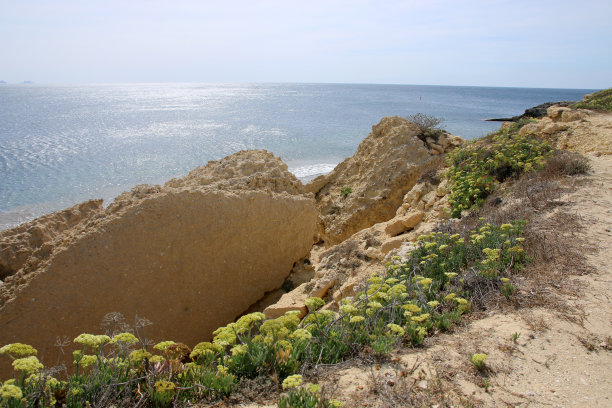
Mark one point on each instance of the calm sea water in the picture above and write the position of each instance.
(60, 145)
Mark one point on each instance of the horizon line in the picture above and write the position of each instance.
(111, 83)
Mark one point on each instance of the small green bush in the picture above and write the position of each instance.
(345, 191)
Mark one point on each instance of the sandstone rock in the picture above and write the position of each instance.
(572, 115)
(533, 128)
(293, 300)
(565, 114)
(386, 166)
(437, 148)
(342, 269)
(322, 286)
(443, 141)
(399, 225)
(553, 128)
(248, 169)
(392, 244)
(554, 112)
(190, 257)
(18, 244)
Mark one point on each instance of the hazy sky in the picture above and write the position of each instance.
(560, 44)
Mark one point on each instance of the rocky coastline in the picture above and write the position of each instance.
(196, 253)
(239, 235)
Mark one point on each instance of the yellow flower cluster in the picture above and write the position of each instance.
(92, 340)
(396, 329)
(10, 391)
(478, 359)
(412, 308)
(205, 349)
(165, 386)
(87, 360)
(163, 345)
(292, 381)
(239, 349)
(156, 359)
(301, 334)
(27, 365)
(137, 356)
(425, 282)
(314, 303)
(17, 350)
(124, 338)
(357, 319)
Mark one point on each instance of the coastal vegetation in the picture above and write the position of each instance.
(475, 170)
(599, 101)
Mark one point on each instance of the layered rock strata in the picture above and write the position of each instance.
(189, 256)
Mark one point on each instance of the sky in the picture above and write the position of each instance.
(547, 44)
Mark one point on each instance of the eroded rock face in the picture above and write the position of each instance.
(387, 164)
(190, 256)
(18, 244)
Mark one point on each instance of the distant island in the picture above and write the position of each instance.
(2, 82)
(27, 82)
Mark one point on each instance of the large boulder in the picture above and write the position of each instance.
(368, 187)
(189, 256)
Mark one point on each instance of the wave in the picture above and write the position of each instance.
(310, 171)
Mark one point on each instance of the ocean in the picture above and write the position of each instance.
(60, 145)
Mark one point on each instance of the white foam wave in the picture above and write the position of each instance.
(312, 170)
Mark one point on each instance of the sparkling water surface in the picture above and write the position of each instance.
(60, 145)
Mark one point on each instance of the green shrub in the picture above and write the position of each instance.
(345, 191)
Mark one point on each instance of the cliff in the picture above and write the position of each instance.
(189, 256)
(386, 165)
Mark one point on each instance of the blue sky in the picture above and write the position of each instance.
(558, 44)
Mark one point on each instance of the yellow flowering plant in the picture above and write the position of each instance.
(478, 360)
(18, 350)
(476, 169)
